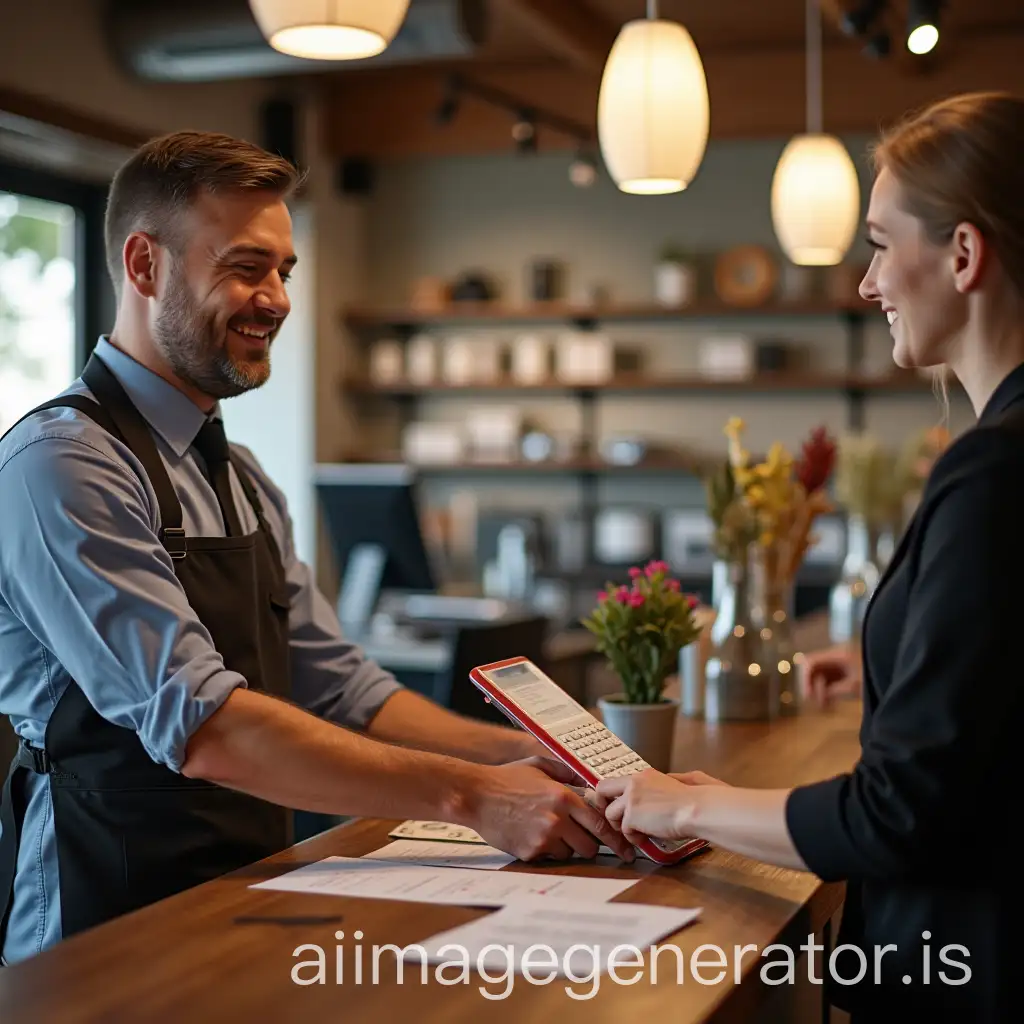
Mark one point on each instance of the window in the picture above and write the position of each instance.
(38, 312)
(55, 297)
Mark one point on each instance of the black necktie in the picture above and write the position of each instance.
(211, 442)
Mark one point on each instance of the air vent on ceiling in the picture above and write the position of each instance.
(207, 40)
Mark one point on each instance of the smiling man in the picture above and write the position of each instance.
(174, 676)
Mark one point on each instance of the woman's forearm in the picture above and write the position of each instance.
(747, 821)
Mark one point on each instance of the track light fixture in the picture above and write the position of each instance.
(858, 21)
(526, 124)
(923, 25)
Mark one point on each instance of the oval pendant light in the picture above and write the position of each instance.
(330, 29)
(815, 195)
(653, 110)
(815, 200)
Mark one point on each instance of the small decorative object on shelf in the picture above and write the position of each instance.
(430, 295)
(675, 278)
(547, 281)
(474, 286)
(531, 359)
(387, 363)
(746, 276)
(641, 629)
(421, 360)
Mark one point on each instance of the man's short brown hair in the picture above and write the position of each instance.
(166, 174)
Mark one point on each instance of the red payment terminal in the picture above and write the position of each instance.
(572, 734)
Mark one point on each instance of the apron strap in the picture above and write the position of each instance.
(133, 430)
(12, 814)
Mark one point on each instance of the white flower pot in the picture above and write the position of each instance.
(675, 284)
(649, 729)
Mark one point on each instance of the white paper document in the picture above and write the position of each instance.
(442, 854)
(442, 831)
(466, 887)
(553, 935)
(436, 831)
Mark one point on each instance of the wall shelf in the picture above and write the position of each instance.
(358, 317)
(632, 384)
(575, 467)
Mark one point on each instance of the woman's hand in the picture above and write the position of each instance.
(697, 779)
(831, 673)
(647, 804)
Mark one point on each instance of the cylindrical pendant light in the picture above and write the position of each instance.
(653, 110)
(815, 190)
(330, 29)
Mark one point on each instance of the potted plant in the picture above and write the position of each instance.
(675, 277)
(641, 629)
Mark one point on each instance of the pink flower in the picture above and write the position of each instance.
(635, 573)
(692, 601)
(653, 568)
(622, 595)
(636, 600)
(602, 595)
(673, 585)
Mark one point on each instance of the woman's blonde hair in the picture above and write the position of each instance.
(962, 160)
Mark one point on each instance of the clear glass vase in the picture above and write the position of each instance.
(739, 680)
(860, 575)
(779, 615)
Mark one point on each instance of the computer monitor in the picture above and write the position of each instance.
(373, 521)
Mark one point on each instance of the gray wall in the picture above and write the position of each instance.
(498, 213)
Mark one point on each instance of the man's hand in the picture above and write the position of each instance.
(647, 804)
(526, 809)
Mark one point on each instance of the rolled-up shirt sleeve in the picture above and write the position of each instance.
(945, 723)
(82, 566)
(331, 676)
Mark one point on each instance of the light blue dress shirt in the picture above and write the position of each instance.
(87, 592)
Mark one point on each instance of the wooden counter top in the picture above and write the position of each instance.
(223, 952)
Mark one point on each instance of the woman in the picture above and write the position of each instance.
(923, 829)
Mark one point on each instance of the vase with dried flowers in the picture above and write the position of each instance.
(640, 629)
(786, 497)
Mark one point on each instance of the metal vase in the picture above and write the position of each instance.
(740, 684)
(860, 575)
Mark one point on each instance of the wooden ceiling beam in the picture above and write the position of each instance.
(45, 111)
(569, 29)
(393, 115)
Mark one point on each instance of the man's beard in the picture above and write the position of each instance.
(189, 342)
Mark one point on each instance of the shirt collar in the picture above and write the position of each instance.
(171, 413)
(1009, 391)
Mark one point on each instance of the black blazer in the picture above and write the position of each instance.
(926, 828)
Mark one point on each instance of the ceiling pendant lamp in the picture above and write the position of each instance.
(330, 29)
(815, 191)
(653, 110)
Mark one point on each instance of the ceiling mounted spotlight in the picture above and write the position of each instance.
(583, 170)
(524, 132)
(923, 25)
(857, 21)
